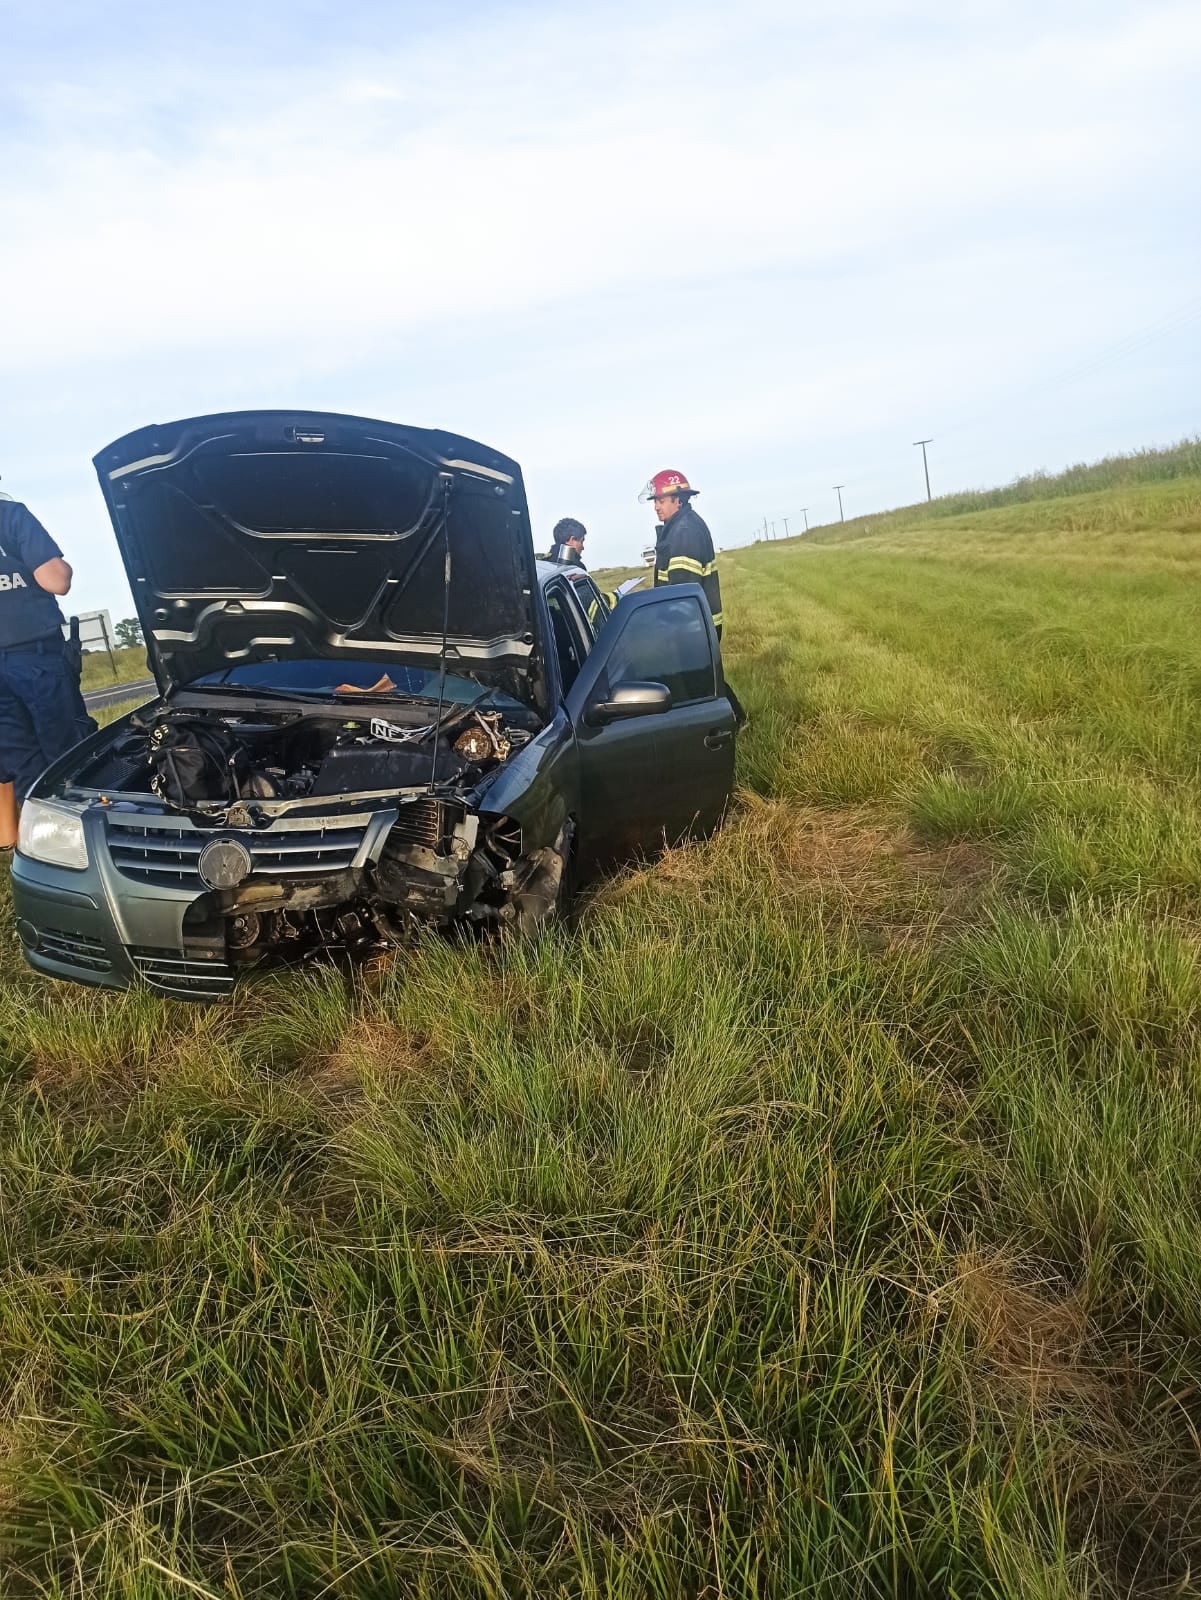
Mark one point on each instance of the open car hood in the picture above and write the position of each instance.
(260, 535)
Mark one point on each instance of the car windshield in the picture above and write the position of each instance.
(351, 680)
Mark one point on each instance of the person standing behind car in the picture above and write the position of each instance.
(567, 550)
(684, 551)
(567, 542)
(42, 713)
(683, 543)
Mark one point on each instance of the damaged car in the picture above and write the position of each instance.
(378, 712)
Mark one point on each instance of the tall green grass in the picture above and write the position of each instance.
(1117, 476)
(125, 666)
(819, 1217)
(1120, 472)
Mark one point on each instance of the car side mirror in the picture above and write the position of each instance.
(630, 700)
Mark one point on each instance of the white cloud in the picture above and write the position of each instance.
(508, 171)
(735, 236)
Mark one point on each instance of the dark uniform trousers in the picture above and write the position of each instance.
(42, 713)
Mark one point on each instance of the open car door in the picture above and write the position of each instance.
(654, 730)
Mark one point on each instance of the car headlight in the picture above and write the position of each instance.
(53, 834)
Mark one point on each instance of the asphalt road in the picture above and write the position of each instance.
(95, 699)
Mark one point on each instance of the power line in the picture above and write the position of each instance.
(1104, 356)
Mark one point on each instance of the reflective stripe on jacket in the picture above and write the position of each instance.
(684, 554)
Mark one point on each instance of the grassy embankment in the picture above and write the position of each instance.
(821, 1218)
(98, 669)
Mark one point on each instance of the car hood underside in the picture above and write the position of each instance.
(283, 535)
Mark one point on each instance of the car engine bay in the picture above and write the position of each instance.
(312, 830)
(198, 760)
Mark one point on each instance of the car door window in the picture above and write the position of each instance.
(578, 588)
(594, 604)
(665, 643)
(572, 640)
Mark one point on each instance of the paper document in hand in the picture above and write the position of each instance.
(630, 583)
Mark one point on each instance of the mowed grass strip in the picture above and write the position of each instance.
(819, 1217)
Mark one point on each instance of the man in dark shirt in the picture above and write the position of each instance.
(567, 550)
(567, 542)
(42, 713)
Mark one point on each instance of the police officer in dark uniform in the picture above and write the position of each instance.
(42, 713)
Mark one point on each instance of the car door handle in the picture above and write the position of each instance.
(717, 737)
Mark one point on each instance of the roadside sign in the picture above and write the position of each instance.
(95, 633)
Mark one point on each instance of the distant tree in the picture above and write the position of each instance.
(129, 633)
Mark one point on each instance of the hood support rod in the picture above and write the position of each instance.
(446, 485)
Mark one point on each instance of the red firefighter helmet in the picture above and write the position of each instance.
(669, 481)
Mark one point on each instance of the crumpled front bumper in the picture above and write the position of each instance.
(66, 924)
(103, 926)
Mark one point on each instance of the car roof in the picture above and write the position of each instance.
(560, 569)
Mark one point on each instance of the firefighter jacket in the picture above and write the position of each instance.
(684, 554)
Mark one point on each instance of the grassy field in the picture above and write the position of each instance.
(821, 1217)
(1115, 475)
(98, 669)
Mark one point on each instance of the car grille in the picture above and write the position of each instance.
(174, 972)
(170, 856)
(74, 949)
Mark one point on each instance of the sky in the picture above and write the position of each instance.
(770, 244)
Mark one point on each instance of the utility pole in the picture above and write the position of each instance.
(840, 487)
(805, 514)
(925, 463)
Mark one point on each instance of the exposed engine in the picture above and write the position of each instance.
(197, 761)
(326, 830)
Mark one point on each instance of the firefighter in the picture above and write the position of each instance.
(683, 543)
(42, 713)
(684, 551)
